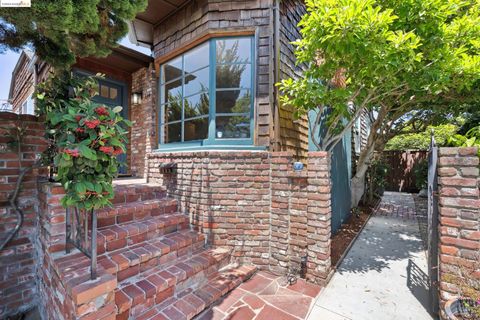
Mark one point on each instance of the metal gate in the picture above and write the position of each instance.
(433, 226)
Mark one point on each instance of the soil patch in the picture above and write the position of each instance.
(347, 232)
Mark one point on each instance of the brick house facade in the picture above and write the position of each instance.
(176, 242)
(209, 105)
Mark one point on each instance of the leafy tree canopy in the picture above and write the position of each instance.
(61, 30)
(388, 57)
(421, 140)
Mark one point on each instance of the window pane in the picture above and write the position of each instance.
(113, 93)
(197, 81)
(171, 70)
(234, 76)
(234, 50)
(196, 129)
(173, 112)
(172, 92)
(197, 58)
(233, 101)
(197, 105)
(233, 127)
(173, 132)
(104, 91)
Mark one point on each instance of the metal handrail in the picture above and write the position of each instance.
(77, 235)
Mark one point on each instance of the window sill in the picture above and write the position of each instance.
(183, 148)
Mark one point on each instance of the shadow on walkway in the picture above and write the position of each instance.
(384, 275)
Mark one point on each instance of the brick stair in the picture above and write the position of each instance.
(191, 302)
(138, 294)
(151, 261)
(118, 236)
(133, 211)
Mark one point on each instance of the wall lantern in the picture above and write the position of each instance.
(136, 98)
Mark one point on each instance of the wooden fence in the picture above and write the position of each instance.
(401, 165)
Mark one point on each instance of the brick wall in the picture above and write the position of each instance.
(143, 136)
(65, 290)
(254, 203)
(17, 267)
(459, 210)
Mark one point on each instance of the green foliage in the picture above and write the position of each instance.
(421, 140)
(393, 56)
(470, 139)
(378, 170)
(86, 139)
(472, 119)
(61, 30)
(420, 171)
(377, 174)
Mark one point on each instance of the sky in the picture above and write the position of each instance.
(9, 59)
(7, 63)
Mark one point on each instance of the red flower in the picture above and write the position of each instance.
(117, 151)
(106, 150)
(102, 111)
(91, 193)
(78, 117)
(92, 124)
(73, 152)
(80, 130)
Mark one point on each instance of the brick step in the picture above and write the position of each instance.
(190, 303)
(138, 294)
(137, 191)
(137, 210)
(130, 261)
(119, 236)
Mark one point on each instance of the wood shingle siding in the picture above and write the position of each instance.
(202, 19)
(293, 133)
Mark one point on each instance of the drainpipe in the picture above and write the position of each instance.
(276, 76)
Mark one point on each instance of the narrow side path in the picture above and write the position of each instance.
(384, 276)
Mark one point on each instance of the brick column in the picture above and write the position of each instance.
(319, 217)
(459, 214)
(144, 120)
(279, 224)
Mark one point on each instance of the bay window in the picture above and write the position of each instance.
(206, 95)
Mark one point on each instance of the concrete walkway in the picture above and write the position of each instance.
(384, 276)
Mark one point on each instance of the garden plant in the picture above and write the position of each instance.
(86, 140)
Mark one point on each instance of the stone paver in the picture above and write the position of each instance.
(384, 275)
(265, 297)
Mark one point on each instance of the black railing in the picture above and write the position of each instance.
(433, 222)
(81, 232)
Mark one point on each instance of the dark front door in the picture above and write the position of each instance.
(112, 94)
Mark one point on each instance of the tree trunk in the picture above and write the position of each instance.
(366, 155)
(358, 180)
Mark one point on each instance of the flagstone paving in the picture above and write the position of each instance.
(265, 297)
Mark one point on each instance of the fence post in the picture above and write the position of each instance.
(459, 212)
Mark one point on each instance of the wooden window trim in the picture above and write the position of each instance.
(199, 40)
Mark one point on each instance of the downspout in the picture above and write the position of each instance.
(276, 77)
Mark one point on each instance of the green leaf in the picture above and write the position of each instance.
(80, 187)
(98, 188)
(87, 152)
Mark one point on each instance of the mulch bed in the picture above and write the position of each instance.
(347, 232)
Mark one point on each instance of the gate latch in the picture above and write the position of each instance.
(168, 168)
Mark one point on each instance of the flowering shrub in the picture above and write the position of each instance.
(86, 140)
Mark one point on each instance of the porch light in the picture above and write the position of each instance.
(136, 98)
